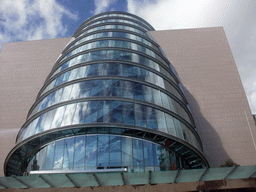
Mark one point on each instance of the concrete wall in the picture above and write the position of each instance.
(205, 65)
(24, 67)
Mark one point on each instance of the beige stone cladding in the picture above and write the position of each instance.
(205, 66)
(24, 67)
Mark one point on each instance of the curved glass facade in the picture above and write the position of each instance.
(112, 100)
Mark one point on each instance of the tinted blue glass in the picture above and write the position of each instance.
(107, 87)
(127, 156)
(50, 155)
(138, 160)
(103, 151)
(58, 156)
(66, 76)
(91, 112)
(138, 92)
(85, 89)
(128, 113)
(68, 161)
(91, 151)
(117, 88)
(58, 80)
(128, 89)
(79, 158)
(115, 151)
(80, 113)
(140, 115)
(151, 118)
(96, 88)
(104, 113)
(148, 156)
(116, 112)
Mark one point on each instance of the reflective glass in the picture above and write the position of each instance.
(103, 152)
(58, 156)
(91, 152)
(79, 158)
(68, 160)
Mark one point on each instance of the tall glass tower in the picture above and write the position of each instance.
(111, 102)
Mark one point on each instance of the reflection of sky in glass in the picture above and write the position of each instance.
(102, 152)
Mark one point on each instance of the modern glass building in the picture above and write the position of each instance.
(111, 102)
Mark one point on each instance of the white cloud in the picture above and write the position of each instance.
(30, 20)
(102, 5)
(236, 16)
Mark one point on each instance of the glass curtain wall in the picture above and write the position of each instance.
(111, 76)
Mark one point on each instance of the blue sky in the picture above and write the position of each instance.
(22, 20)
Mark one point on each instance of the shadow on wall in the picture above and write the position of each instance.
(212, 145)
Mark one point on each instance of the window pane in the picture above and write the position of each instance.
(91, 151)
(103, 151)
(128, 113)
(127, 157)
(138, 155)
(80, 113)
(115, 151)
(58, 117)
(91, 112)
(68, 162)
(50, 155)
(58, 159)
(79, 152)
(140, 115)
(116, 112)
(68, 115)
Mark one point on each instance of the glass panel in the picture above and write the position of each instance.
(68, 162)
(81, 72)
(127, 156)
(50, 155)
(58, 117)
(107, 88)
(148, 96)
(157, 98)
(68, 115)
(75, 91)
(91, 151)
(79, 157)
(115, 151)
(58, 159)
(116, 112)
(91, 113)
(140, 115)
(85, 89)
(128, 89)
(40, 123)
(104, 113)
(170, 125)
(96, 87)
(103, 152)
(73, 74)
(48, 120)
(151, 118)
(42, 156)
(66, 93)
(161, 121)
(138, 161)
(148, 156)
(117, 88)
(80, 113)
(128, 113)
(138, 94)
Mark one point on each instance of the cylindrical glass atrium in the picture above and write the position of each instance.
(111, 101)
